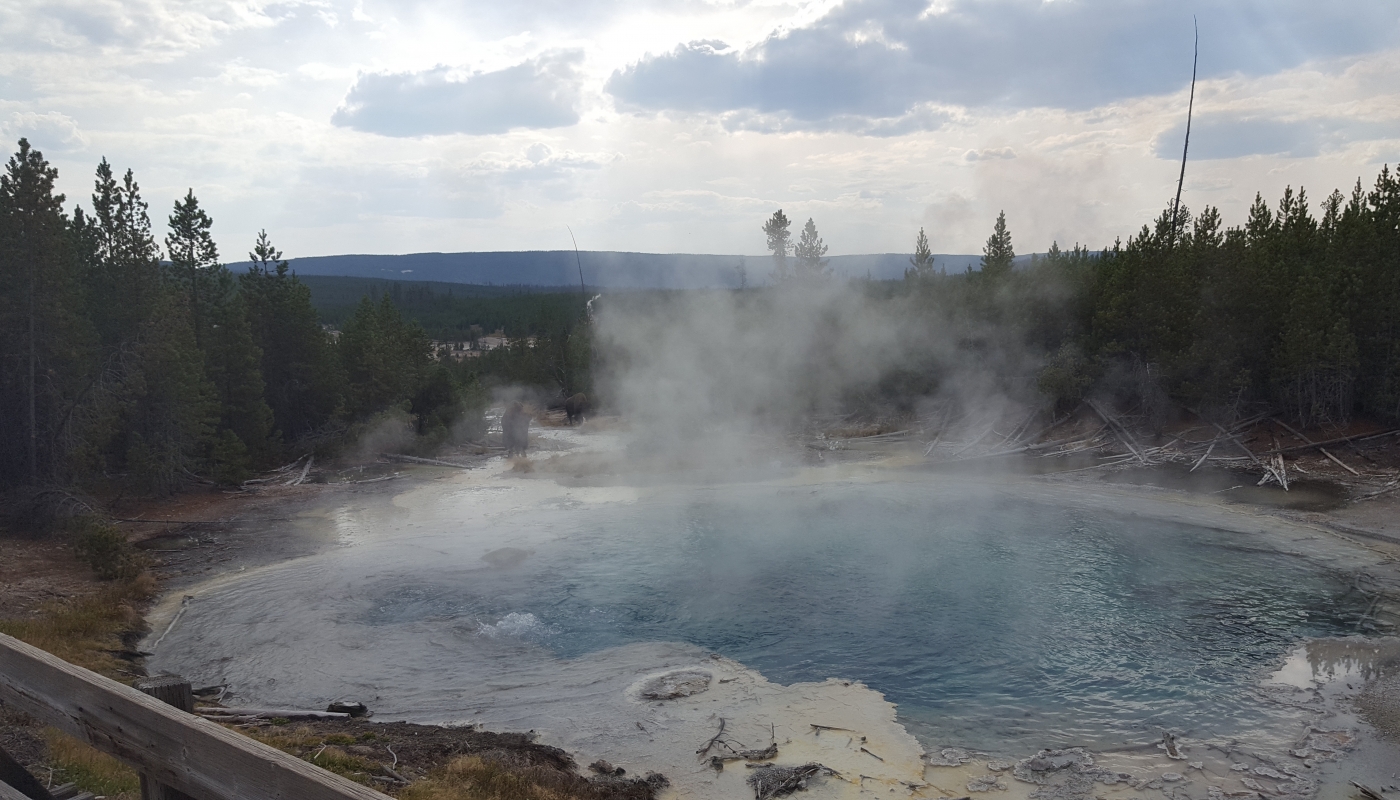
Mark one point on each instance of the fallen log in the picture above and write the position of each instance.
(1015, 435)
(1112, 461)
(304, 470)
(1389, 487)
(375, 480)
(976, 441)
(1368, 792)
(416, 460)
(1248, 453)
(269, 713)
(1013, 451)
(1360, 437)
(291, 466)
(1118, 429)
(1320, 449)
(1204, 457)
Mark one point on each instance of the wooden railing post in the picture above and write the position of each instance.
(173, 691)
(178, 750)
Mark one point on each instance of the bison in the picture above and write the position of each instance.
(575, 407)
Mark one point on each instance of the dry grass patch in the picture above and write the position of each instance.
(88, 630)
(324, 750)
(477, 778)
(93, 771)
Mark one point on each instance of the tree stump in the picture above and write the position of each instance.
(169, 689)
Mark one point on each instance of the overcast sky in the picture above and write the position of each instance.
(390, 127)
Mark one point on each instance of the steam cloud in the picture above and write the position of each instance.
(704, 377)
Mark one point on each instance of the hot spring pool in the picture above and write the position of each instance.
(991, 624)
(997, 620)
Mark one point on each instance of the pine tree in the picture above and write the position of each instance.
(809, 252)
(1380, 331)
(233, 364)
(299, 369)
(232, 359)
(921, 265)
(384, 357)
(192, 251)
(776, 229)
(124, 268)
(44, 344)
(148, 413)
(998, 254)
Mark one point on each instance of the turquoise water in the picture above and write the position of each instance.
(992, 623)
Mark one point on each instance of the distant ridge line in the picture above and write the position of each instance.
(602, 268)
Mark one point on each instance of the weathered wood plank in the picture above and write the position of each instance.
(177, 749)
(8, 792)
(14, 775)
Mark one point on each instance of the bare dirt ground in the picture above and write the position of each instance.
(387, 755)
(35, 572)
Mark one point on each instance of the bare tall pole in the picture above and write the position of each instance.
(582, 289)
(1190, 106)
(33, 450)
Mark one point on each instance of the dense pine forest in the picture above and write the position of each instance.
(132, 368)
(451, 311)
(1292, 311)
(136, 360)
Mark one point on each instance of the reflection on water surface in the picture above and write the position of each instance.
(992, 623)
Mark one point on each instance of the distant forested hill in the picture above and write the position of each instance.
(600, 268)
(448, 310)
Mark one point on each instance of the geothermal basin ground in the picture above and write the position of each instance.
(919, 634)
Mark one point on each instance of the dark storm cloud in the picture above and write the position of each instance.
(540, 93)
(881, 58)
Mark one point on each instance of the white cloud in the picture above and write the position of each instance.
(871, 116)
(542, 92)
(989, 152)
(49, 132)
(881, 58)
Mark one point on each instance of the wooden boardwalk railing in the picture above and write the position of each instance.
(170, 748)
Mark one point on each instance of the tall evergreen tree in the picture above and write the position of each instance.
(148, 412)
(124, 265)
(921, 265)
(299, 369)
(44, 353)
(384, 357)
(232, 359)
(998, 254)
(809, 252)
(192, 252)
(778, 235)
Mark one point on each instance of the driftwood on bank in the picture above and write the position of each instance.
(300, 479)
(416, 460)
(947, 441)
(775, 781)
(1029, 448)
(1360, 437)
(269, 713)
(1118, 429)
